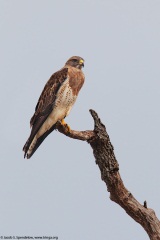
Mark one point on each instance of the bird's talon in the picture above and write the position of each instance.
(67, 127)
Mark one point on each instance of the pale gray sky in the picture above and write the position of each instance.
(59, 192)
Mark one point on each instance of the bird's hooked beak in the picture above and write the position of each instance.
(81, 62)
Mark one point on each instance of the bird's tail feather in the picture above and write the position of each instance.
(38, 142)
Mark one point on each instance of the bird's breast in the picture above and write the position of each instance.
(64, 102)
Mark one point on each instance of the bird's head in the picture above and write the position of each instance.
(76, 62)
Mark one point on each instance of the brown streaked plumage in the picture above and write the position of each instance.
(55, 102)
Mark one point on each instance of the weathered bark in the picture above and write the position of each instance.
(104, 154)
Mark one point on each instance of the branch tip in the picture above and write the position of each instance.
(97, 121)
(145, 204)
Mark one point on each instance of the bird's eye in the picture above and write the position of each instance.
(74, 60)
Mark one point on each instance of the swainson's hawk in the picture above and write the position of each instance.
(55, 102)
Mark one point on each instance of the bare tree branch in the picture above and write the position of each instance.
(80, 135)
(104, 154)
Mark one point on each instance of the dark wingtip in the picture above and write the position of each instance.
(24, 150)
(28, 156)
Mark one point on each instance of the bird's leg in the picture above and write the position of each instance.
(67, 127)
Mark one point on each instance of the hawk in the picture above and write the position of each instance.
(55, 102)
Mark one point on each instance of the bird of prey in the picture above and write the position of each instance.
(55, 102)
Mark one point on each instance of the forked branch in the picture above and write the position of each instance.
(104, 154)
